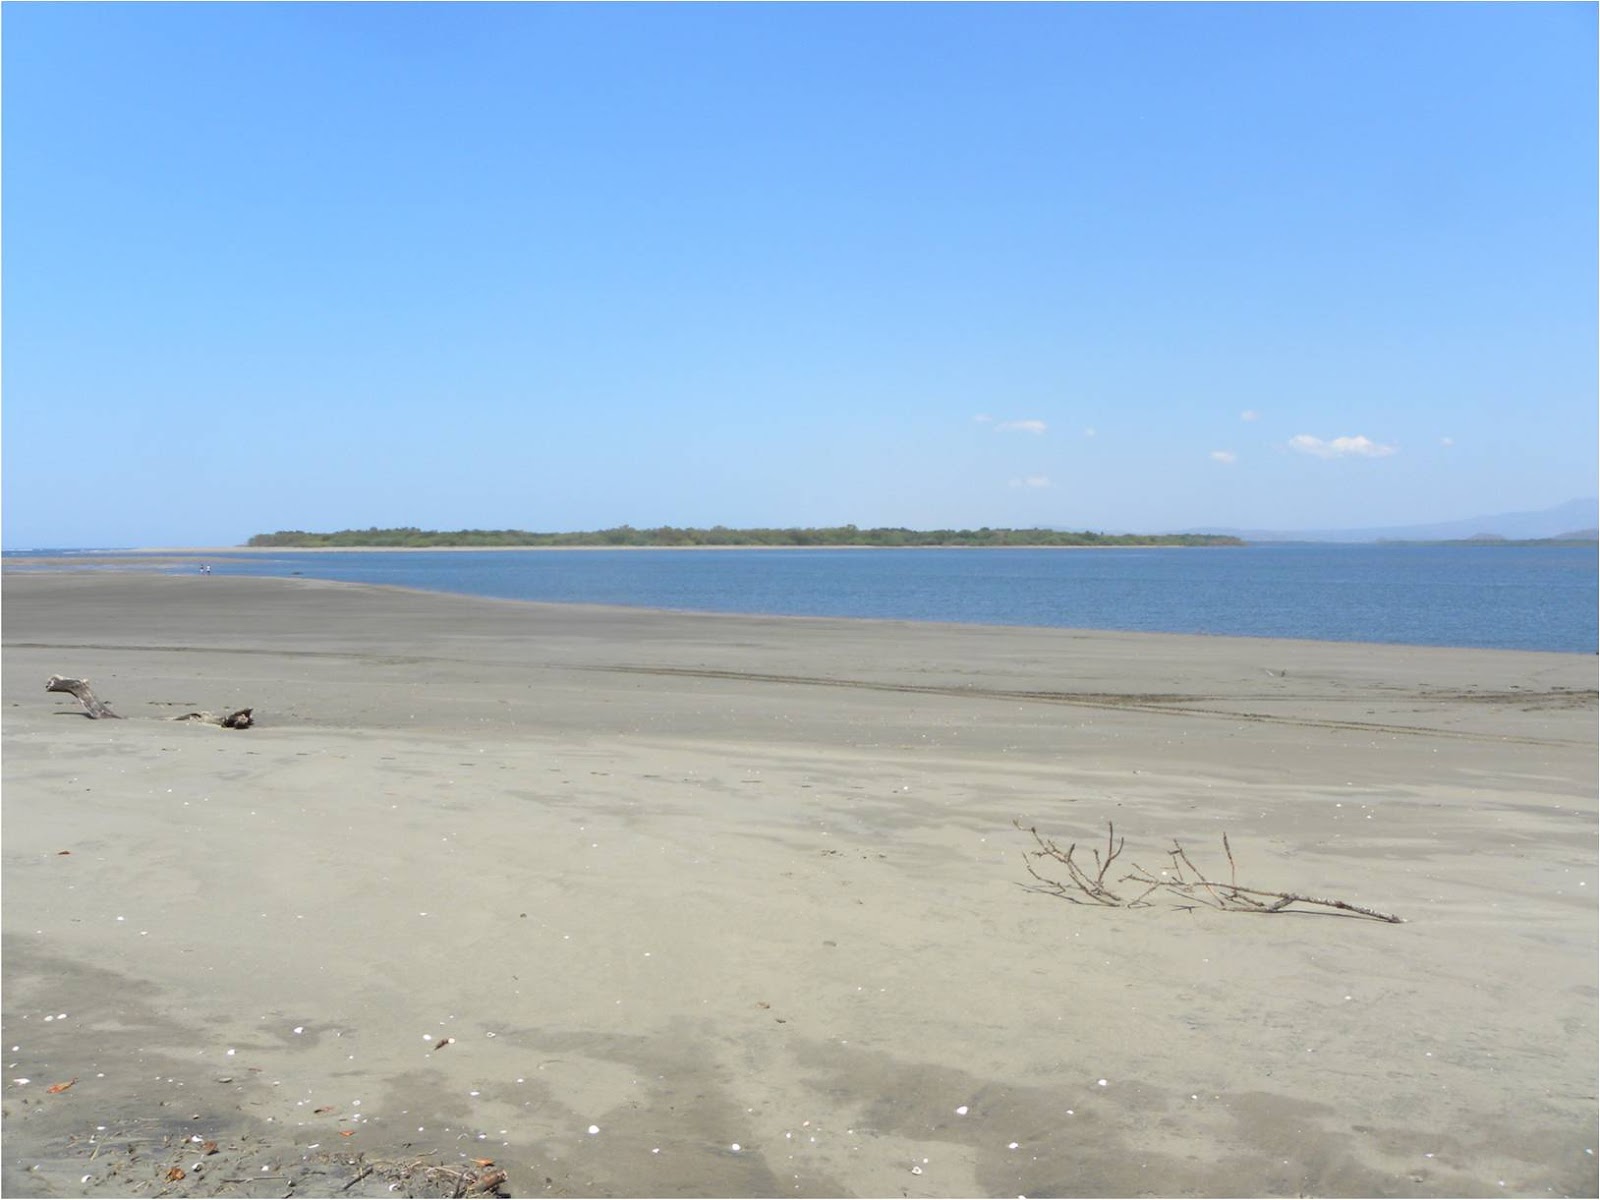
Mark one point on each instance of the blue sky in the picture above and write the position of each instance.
(1107, 266)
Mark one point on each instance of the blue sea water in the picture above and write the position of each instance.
(1506, 597)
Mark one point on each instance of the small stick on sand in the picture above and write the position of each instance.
(365, 1171)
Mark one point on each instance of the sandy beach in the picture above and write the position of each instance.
(656, 904)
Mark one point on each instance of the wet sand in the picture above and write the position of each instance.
(744, 896)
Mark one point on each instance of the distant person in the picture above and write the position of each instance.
(205, 569)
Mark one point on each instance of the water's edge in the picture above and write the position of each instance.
(1518, 598)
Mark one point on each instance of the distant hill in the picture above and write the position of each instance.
(1572, 521)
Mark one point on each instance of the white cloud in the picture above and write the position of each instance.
(1089, 432)
(1249, 414)
(983, 418)
(1032, 481)
(1447, 441)
(1340, 447)
(1028, 426)
(1225, 456)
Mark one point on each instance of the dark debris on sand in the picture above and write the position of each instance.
(131, 1162)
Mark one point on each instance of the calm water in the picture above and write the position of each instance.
(1509, 597)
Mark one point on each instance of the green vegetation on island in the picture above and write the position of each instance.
(719, 535)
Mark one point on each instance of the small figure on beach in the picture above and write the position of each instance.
(205, 569)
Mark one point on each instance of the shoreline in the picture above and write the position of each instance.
(130, 566)
(700, 881)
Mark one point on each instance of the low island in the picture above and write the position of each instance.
(721, 535)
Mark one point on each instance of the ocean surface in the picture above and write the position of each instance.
(1504, 597)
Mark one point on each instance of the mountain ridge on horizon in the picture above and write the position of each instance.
(1577, 518)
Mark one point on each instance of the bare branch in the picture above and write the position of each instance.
(1185, 882)
(1200, 879)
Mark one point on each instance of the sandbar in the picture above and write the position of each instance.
(648, 903)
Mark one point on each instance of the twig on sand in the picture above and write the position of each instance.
(1093, 887)
(486, 1180)
(365, 1171)
(1182, 880)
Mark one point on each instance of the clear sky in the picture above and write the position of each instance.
(553, 267)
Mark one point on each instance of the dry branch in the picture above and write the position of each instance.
(1182, 880)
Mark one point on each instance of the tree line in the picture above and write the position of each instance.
(720, 535)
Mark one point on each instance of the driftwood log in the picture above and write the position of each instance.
(93, 707)
(96, 709)
(238, 719)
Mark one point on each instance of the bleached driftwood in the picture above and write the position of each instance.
(239, 719)
(95, 708)
(1182, 880)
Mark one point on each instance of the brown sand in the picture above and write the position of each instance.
(709, 881)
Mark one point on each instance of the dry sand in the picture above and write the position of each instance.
(744, 895)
